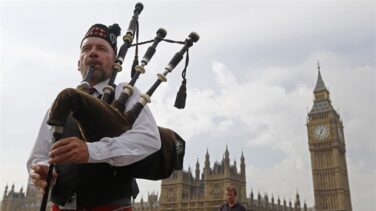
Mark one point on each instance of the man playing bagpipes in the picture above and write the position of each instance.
(100, 136)
(89, 179)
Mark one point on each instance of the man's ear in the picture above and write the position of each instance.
(78, 65)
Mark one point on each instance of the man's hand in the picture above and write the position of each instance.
(38, 175)
(69, 150)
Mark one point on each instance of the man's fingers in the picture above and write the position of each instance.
(62, 142)
(62, 158)
(40, 170)
(58, 144)
(34, 176)
(36, 168)
(42, 184)
(38, 175)
(60, 150)
(69, 150)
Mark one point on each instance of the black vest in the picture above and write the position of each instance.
(93, 183)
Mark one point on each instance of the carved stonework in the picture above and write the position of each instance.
(327, 148)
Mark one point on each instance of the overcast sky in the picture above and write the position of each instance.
(250, 81)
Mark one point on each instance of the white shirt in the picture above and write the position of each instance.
(131, 146)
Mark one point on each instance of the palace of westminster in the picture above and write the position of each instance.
(205, 191)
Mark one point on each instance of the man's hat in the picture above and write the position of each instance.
(109, 33)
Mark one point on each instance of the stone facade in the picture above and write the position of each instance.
(327, 147)
(21, 201)
(206, 191)
(182, 191)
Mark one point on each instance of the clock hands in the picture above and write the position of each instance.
(321, 130)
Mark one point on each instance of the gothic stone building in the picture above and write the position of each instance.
(262, 203)
(21, 201)
(327, 147)
(182, 191)
(206, 191)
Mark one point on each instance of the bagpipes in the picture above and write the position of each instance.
(98, 118)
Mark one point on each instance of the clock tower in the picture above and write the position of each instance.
(327, 147)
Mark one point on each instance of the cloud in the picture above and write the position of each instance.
(362, 177)
(222, 75)
(250, 81)
(268, 113)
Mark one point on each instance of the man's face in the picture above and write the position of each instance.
(230, 197)
(96, 51)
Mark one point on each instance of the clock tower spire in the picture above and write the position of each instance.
(327, 147)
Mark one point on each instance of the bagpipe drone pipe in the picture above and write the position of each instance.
(98, 118)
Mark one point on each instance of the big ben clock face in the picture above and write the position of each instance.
(321, 132)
